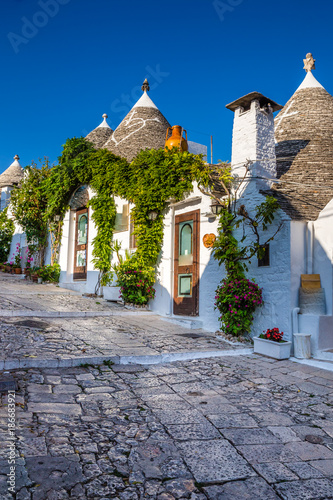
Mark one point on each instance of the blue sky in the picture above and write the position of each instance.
(66, 62)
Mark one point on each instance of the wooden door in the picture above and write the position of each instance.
(186, 264)
(81, 243)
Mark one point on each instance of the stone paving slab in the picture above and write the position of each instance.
(226, 427)
(115, 442)
(47, 329)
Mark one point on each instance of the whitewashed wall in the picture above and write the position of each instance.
(323, 252)
(253, 139)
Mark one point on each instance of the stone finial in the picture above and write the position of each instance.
(105, 116)
(145, 86)
(16, 157)
(309, 62)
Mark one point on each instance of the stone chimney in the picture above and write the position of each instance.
(253, 137)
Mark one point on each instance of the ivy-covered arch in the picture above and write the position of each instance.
(152, 178)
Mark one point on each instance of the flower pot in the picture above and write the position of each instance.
(39, 280)
(17, 270)
(8, 269)
(276, 350)
(34, 278)
(111, 293)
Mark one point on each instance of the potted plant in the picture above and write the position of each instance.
(110, 290)
(34, 274)
(9, 266)
(271, 344)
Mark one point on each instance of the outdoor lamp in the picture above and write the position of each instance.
(216, 208)
(152, 215)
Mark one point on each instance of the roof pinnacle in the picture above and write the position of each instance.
(309, 62)
(145, 86)
(16, 157)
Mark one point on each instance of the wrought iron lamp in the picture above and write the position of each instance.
(216, 208)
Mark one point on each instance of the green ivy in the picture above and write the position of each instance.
(149, 182)
(152, 178)
(29, 202)
(6, 234)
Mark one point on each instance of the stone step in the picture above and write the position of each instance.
(312, 301)
(192, 324)
(325, 354)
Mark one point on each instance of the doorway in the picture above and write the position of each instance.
(80, 245)
(186, 264)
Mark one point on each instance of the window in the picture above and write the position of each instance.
(121, 223)
(264, 260)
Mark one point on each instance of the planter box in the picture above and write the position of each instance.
(276, 350)
(111, 293)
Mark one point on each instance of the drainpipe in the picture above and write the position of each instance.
(310, 240)
(296, 312)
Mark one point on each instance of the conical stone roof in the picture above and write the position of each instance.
(304, 150)
(143, 127)
(13, 175)
(100, 135)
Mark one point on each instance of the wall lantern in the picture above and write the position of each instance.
(216, 208)
(152, 215)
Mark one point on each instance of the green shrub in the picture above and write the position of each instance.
(136, 281)
(50, 273)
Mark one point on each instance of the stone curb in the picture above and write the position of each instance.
(15, 364)
(67, 314)
(42, 292)
(55, 314)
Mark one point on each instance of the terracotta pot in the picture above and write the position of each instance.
(34, 278)
(17, 270)
(176, 140)
(8, 269)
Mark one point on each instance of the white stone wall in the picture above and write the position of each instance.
(5, 197)
(323, 252)
(298, 257)
(253, 139)
(275, 282)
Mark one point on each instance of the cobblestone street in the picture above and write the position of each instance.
(233, 426)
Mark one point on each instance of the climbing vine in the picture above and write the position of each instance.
(149, 181)
(237, 297)
(28, 205)
(6, 234)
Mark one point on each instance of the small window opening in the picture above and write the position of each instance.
(264, 260)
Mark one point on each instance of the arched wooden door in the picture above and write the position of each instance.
(186, 264)
(81, 244)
